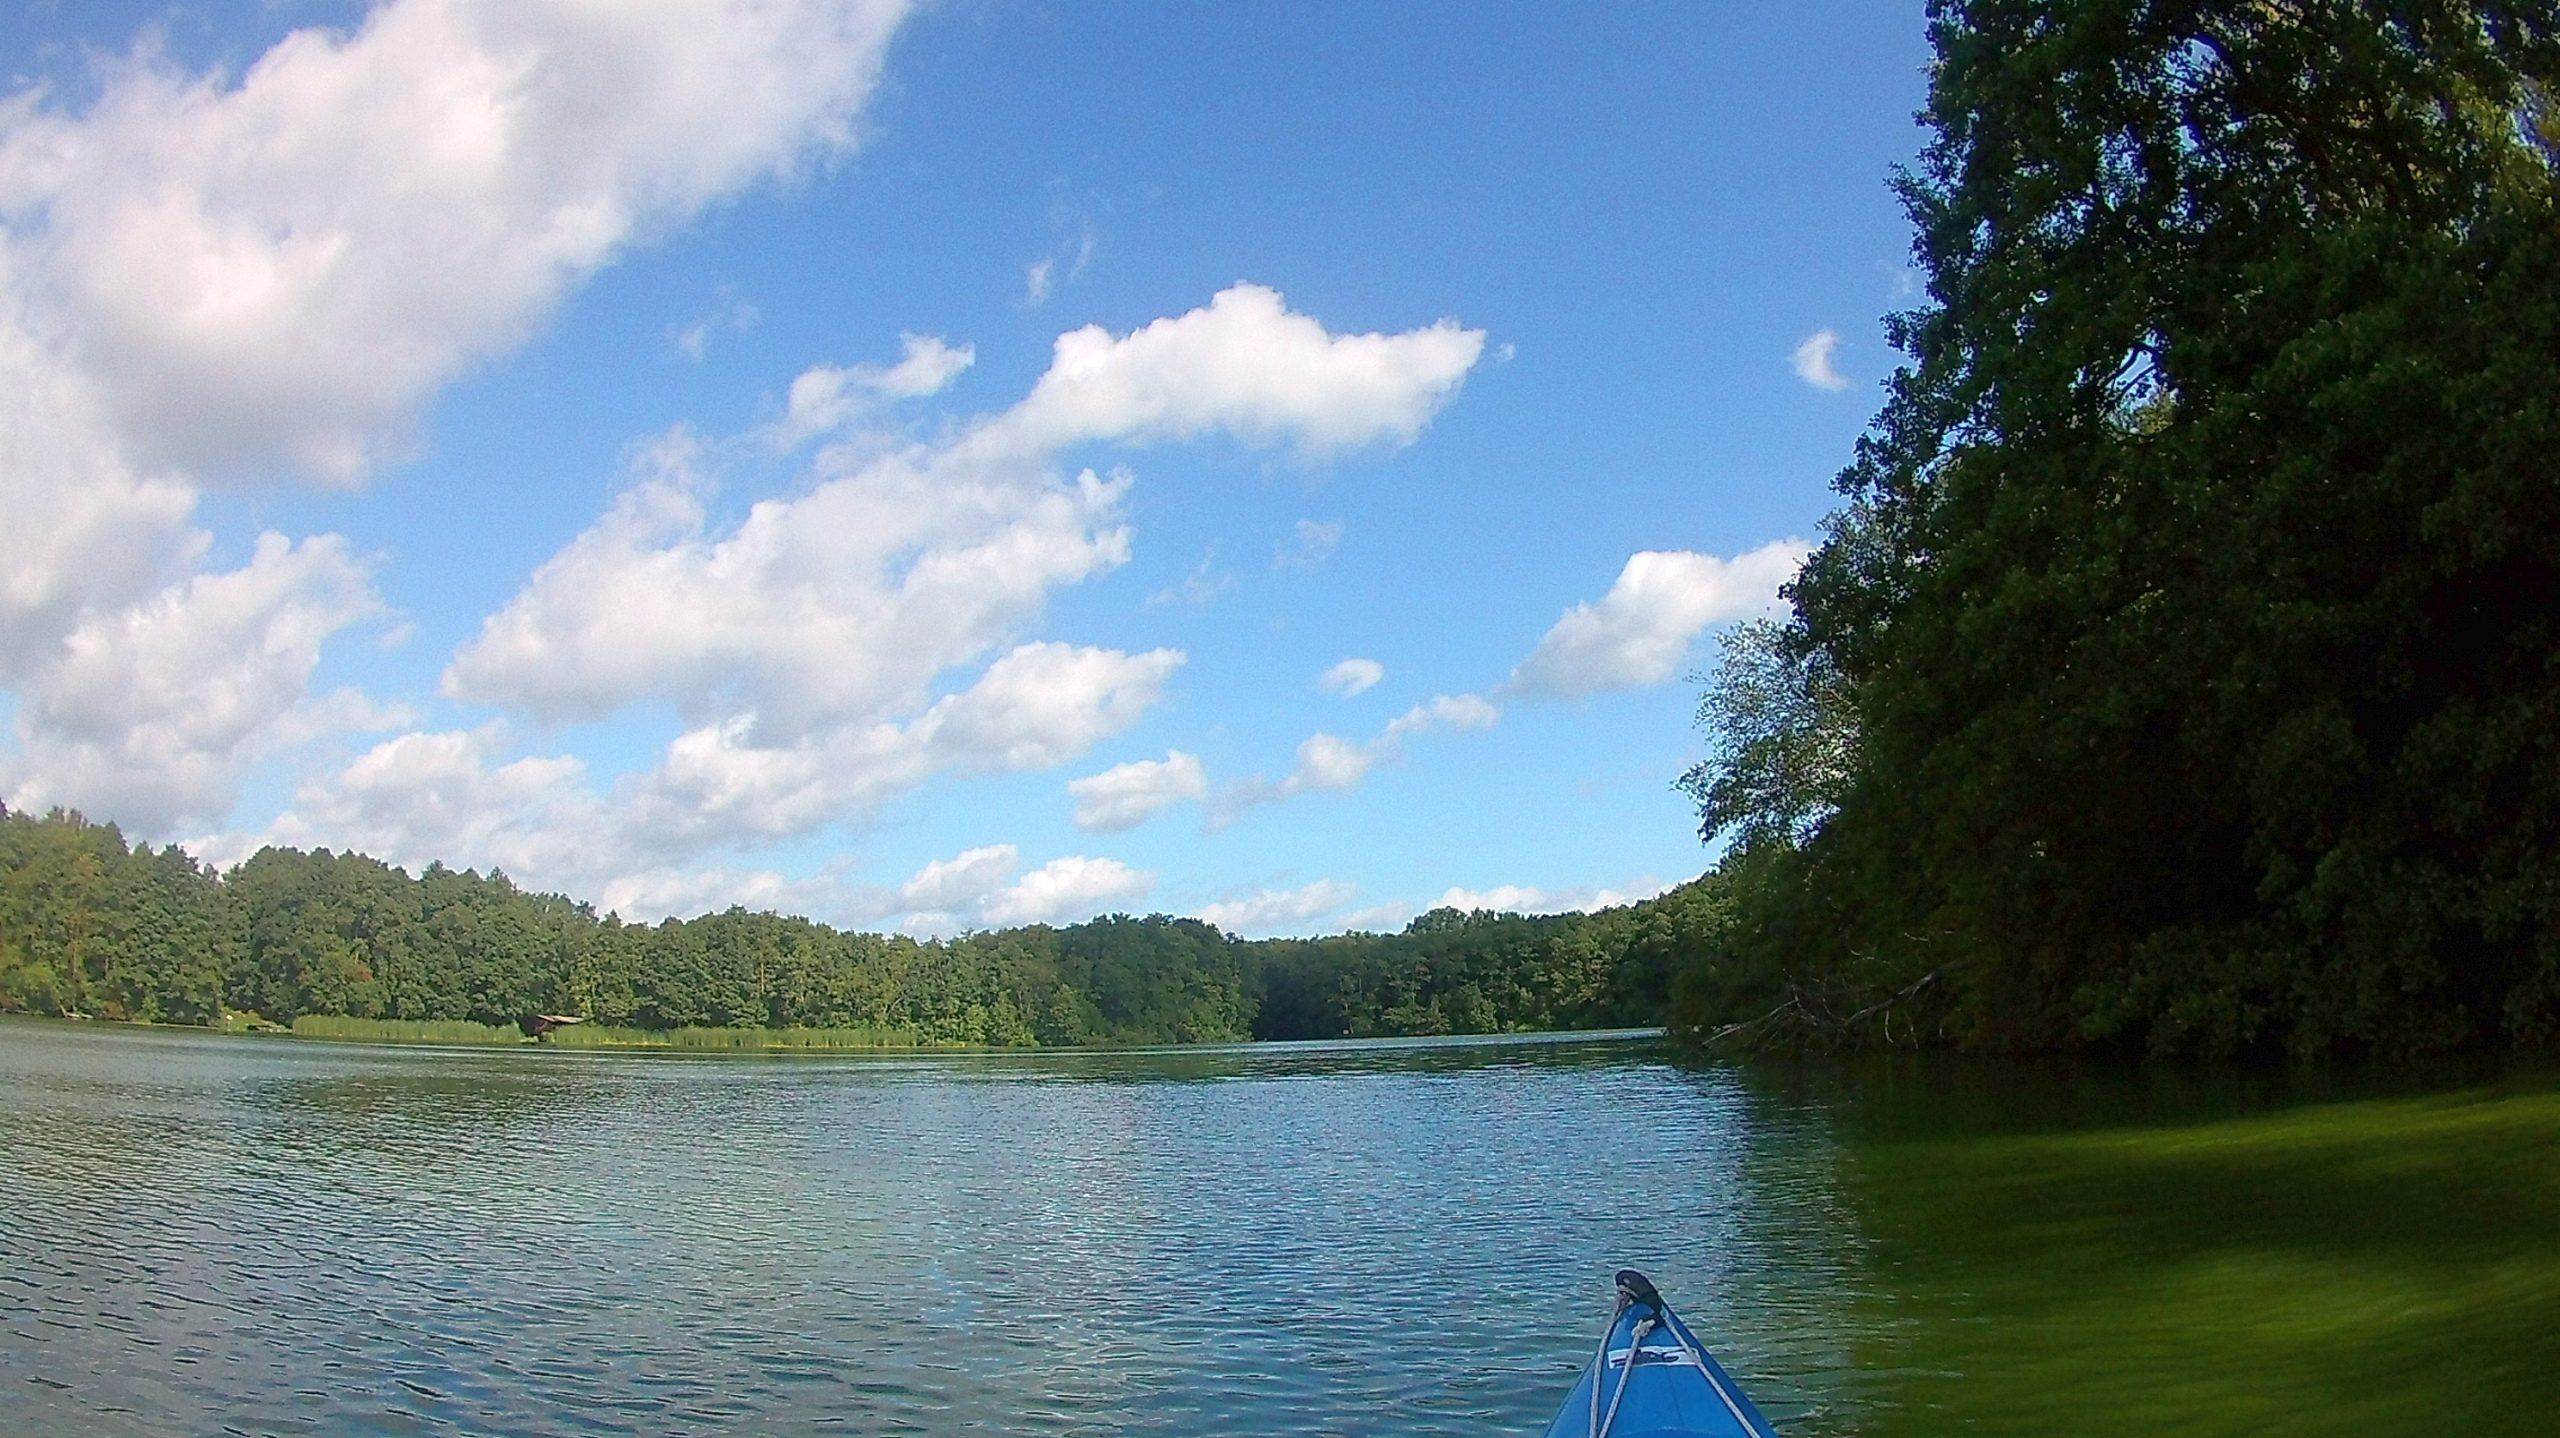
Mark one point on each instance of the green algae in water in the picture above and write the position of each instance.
(2383, 1265)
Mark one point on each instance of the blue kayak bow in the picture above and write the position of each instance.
(1653, 1379)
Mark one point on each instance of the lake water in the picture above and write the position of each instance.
(209, 1235)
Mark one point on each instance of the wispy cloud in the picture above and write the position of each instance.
(1309, 544)
(1353, 676)
(1331, 763)
(1204, 584)
(1812, 361)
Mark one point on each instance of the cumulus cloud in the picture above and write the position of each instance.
(1812, 361)
(843, 603)
(1353, 676)
(680, 893)
(803, 642)
(1274, 911)
(1038, 706)
(963, 879)
(1636, 634)
(1247, 366)
(282, 267)
(82, 529)
(147, 712)
(454, 796)
(208, 276)
(427, 796)
(1127, 795)
(836, 606)
(1063, 891)
(1331, 763)
(825, 397)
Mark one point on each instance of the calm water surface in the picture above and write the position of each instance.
(208, 1235)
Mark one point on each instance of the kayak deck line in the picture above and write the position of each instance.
(1651, 1378)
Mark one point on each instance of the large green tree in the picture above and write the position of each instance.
(2197, 590)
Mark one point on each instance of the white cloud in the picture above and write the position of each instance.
(963, 879)
(216, 276)
(147, 713)
(1445, 711)
(1038, 706)
(1331, 763)
(1278, 910)
(1311, 543)
(842, 604)
(1327, 761)
(1522, 899)
(1066, 890)
(1378, 918)
(424, 797)
(1812, 361)
(839, 606)
(1637, 634)
(281, 268)
(674, 893)
(82, 529)
(1353, 676)
(804, 642)
(824, 397)
(1246, 366)
(1040, 277)
(453, 796)
(1127, 795)
(1044, 704)
(1501, 899)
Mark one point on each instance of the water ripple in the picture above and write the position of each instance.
(218, 1236)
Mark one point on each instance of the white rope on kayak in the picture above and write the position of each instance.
(1600, 1361)
(1627, 1371)
(1681, 1332)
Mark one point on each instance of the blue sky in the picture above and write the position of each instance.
(926, 468)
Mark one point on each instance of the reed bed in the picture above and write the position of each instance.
(603, 1036)
(732, 1040)
(405, 1031)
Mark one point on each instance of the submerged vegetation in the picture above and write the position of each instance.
(2182, 673)
(2358, 1266)
(344, 946)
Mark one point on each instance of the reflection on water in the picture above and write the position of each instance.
(204, 1235)
(291, 1237)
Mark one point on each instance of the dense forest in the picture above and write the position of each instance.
(2181, 673)
(91, 926)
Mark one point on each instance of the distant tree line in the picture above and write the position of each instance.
(91, 926)
(2181, 673)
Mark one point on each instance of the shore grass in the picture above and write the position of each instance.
(2347, 1268)
(731, 1040)
(404, 1031)
(601, 1036)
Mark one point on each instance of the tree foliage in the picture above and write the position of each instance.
(88, 926)
(2194, 590)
